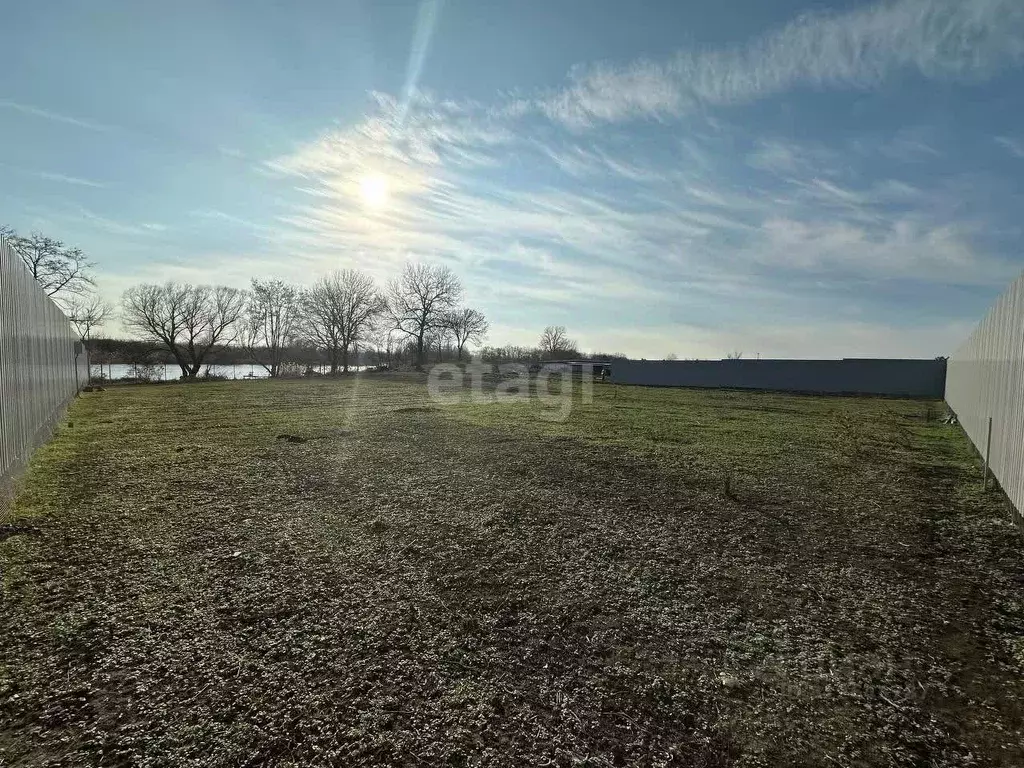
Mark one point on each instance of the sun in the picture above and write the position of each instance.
(373, 189)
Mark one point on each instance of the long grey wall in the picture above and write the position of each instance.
(910, 378)
(986, 379)
(41, 369)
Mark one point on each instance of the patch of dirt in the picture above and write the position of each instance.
(17, 529)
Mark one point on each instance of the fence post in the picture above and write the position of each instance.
(988, 448)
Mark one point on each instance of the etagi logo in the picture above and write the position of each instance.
(555, 387)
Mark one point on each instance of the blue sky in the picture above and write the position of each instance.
(785, 179)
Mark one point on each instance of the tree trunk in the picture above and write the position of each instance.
(419, 351)
(334, 360)
(344, 359)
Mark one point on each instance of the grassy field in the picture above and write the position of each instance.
(668, 577)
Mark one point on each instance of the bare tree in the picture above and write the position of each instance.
(380, 335)
(320, 321)
(418, 301)
(734, 355)
(189, 320)
(337, 313)
(671, 356)
(87, 313)
(436, 340)
(271, 322)
(466, 326)
(62, 271)
(556, 341)
(361, 303)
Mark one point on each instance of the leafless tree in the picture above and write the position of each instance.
(337, 313)
(466, 326)
(271, 322)
(555, 341)
(435, 340)
(418, 301)
(361, 303)
(671, 356)
(62, 271)
(320, 321)
(734, 356)
(87, 313)
(380, 336)
(189, 320)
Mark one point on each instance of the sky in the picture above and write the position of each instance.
(783, 179)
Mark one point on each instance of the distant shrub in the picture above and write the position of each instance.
(291, 371)
(147, 373)
(209, 375)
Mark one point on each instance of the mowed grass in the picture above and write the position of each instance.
(667, 577)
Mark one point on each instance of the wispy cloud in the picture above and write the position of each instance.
(74, 180)
(118, 227)
(57, 177)
(635, 229)
(28, 109)
(939, 39)
(425, 132)
(908, 145)
(1014, 146)
(908, 247)
(536, 211)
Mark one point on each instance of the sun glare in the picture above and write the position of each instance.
(373, 189)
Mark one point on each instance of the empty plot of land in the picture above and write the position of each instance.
(345, 573)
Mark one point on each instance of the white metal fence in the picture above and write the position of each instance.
(985, 379)
(42, 365)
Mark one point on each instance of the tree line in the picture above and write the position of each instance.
(336, 315)
(343, 319)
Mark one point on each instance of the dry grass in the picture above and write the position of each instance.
(469, 584)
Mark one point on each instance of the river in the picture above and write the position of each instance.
(170, 372)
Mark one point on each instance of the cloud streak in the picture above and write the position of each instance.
(1014, 146)
(73, 180)
(936, 39)
(28, 109)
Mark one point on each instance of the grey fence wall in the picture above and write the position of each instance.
(986, 379)
(908, 378)
(41, 367)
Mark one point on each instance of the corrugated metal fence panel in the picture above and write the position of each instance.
(908, 378)
(41, 368)
(986, 379)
